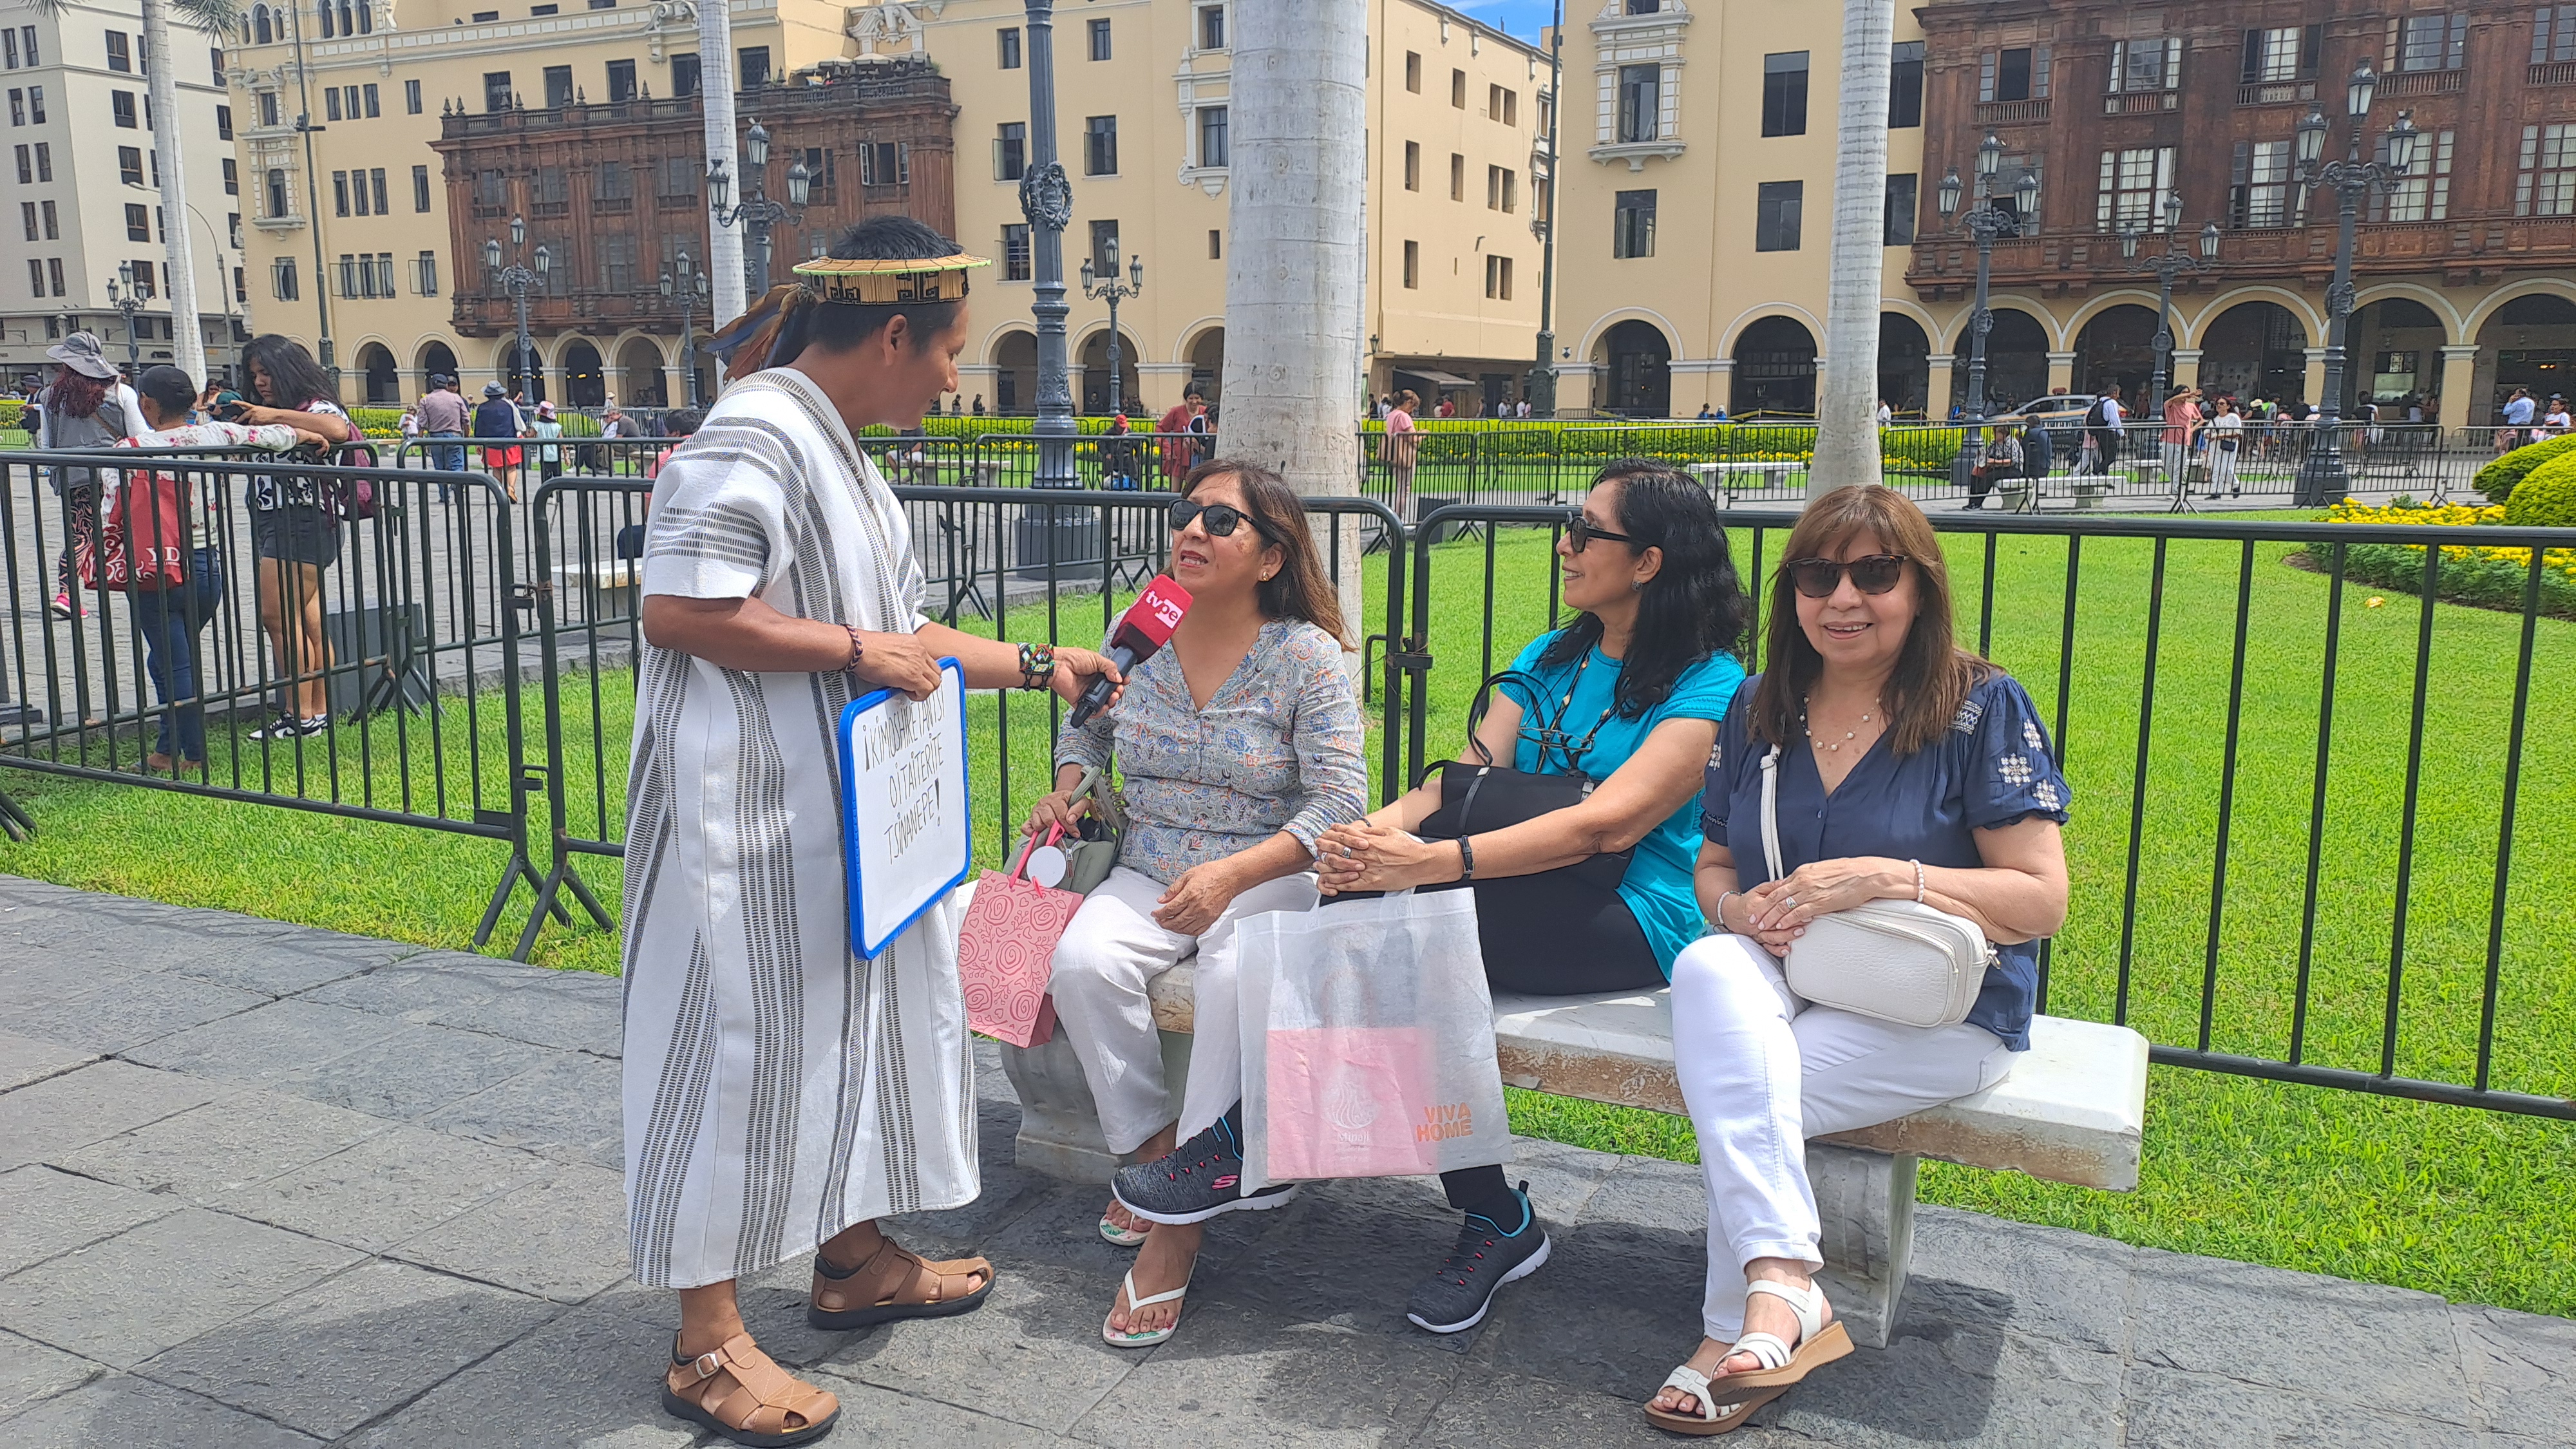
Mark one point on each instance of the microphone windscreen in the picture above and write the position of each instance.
(1157, 611)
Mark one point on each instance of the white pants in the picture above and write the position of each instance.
(1109, 954)
(2222, 469)
(1762, 1071)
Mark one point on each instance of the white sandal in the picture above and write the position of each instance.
(1711, 1418)
(1121, 1237)
(1819, 1343)
(1150, 1337)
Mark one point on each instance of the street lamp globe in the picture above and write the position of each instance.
(2026, 193)
(800, 184)
(492, 253)
(755, 147)
(1990, 154)
(2312, 137)
(682, 265)
(518, 231)
(2129, 242)
(1088, 274)
(719, 185)
(2173, 210)
(666, 284)
(1136, 273)
(545, 260)
(2359, 90)
(1949, 192)
(2402, 141)
(2209, 242)
(125, 272)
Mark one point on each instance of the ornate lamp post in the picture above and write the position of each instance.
(521, 281)
(1541, 390)
(690, 286)
(1046, 199)
(757, 213)
(122, 296)
(2175, 262)
(1112, 291)
(1986, 223)
(2321, 475)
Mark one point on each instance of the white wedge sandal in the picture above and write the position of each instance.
(1151, 1337)
(1711, 1418)
(1819, 1343)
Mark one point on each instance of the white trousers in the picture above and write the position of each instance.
(1762, 1071)
(1110, 953)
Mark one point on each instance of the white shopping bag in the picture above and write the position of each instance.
(1368, 1041)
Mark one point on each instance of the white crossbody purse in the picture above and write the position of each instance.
(1899, 961)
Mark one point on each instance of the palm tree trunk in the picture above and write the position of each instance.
(1292, 337)
(1847, 442)
(715, 92)
(188, 342)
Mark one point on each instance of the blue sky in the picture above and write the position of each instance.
(1522, 18)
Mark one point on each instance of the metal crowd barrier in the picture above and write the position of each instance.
(403, 630)
(2295, 853)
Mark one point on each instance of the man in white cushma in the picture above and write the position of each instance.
(782, 1093)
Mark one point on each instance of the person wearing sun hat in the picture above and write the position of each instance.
(782, 1095)
(88, 406)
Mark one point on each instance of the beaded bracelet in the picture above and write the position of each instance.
(858, 647)
(1037, 666)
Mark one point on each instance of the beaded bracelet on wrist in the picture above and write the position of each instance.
(1037, 666)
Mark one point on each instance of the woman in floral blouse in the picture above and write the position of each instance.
(1238, 745)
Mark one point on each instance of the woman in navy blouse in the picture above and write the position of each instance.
(1909, 769)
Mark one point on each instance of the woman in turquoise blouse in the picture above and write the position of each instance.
(1629, 696)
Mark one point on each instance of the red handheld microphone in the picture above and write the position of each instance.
(1145, 627)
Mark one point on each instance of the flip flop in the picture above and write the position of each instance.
(1152, 1336)
(1713, 1417)
(1121, 1237)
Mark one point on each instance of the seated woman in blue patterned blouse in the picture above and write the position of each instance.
(1906, 768)
(1238, 746)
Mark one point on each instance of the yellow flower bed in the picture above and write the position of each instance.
(2456, 515)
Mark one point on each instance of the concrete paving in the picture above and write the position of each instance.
(262, 1185)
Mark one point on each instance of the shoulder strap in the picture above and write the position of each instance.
(1771, 813)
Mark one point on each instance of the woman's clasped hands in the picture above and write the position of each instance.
(1362, 856)
(1776, 912)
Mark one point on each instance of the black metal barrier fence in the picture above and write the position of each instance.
(2306, 798)
(331, 639)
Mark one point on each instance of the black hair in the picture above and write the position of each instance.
(296, 381)
(839, 327)
(1693, 609)
(681, 422)
(169, 387)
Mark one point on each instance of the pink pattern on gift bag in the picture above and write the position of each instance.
(1005, 952)
(1346, 1101)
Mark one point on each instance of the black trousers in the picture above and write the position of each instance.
(1535, 947)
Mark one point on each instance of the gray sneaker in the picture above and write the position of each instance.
(1454, 1298)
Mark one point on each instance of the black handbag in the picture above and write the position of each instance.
(1478, 797)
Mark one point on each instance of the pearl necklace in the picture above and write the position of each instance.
(1848, 735)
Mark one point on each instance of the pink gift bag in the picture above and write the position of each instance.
(1345, 1100)
(1005, 951)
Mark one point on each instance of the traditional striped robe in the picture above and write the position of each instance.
(778, 1088)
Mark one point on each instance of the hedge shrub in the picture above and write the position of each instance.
(13, 412)
(2471, 573)
(2498, 479)
(2546, 496)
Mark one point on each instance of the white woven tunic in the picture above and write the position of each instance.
(778, 1088)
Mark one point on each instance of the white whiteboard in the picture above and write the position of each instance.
(905, 822)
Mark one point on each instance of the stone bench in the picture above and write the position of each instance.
(2073, 1110)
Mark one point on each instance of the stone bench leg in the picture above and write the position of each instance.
(1059, 1123)
(1865, 1202)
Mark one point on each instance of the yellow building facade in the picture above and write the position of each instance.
(348, 233)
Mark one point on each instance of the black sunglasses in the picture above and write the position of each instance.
(1218, 518)
(1876, 573)
(1580, 533)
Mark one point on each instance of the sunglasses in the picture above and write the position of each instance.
(1580, 533)
(1219, 519)
(1876, 573)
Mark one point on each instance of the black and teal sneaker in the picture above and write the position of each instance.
(1454, 1299)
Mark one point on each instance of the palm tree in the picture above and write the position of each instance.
(219, 19)
(715, 92)
(1847, 442)
(1293, 265)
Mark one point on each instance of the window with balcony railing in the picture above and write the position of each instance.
(2280, 65)
(2553, 45)
(2426, 42)
(2145, 75)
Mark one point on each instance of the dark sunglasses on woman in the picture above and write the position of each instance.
(1218, 518)
(1582, 531)
(1876, 573)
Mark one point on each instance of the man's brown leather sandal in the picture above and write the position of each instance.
(895, 1283)
(767, 1407)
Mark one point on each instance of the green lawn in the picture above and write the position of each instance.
(2468, 1204)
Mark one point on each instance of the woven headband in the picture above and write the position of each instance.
(869, 282)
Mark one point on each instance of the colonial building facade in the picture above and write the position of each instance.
(2466, 273)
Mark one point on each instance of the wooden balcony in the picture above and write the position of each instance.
(485, 314)
(1944, 267)
(2140, 103)
(2276, 93)
(2012, 113)
(2552, 73)
(2422, 83)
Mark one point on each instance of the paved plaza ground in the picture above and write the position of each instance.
(262, 1185)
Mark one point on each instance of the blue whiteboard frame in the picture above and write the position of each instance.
(850, 813)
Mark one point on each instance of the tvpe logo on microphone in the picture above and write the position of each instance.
(1164, 608)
